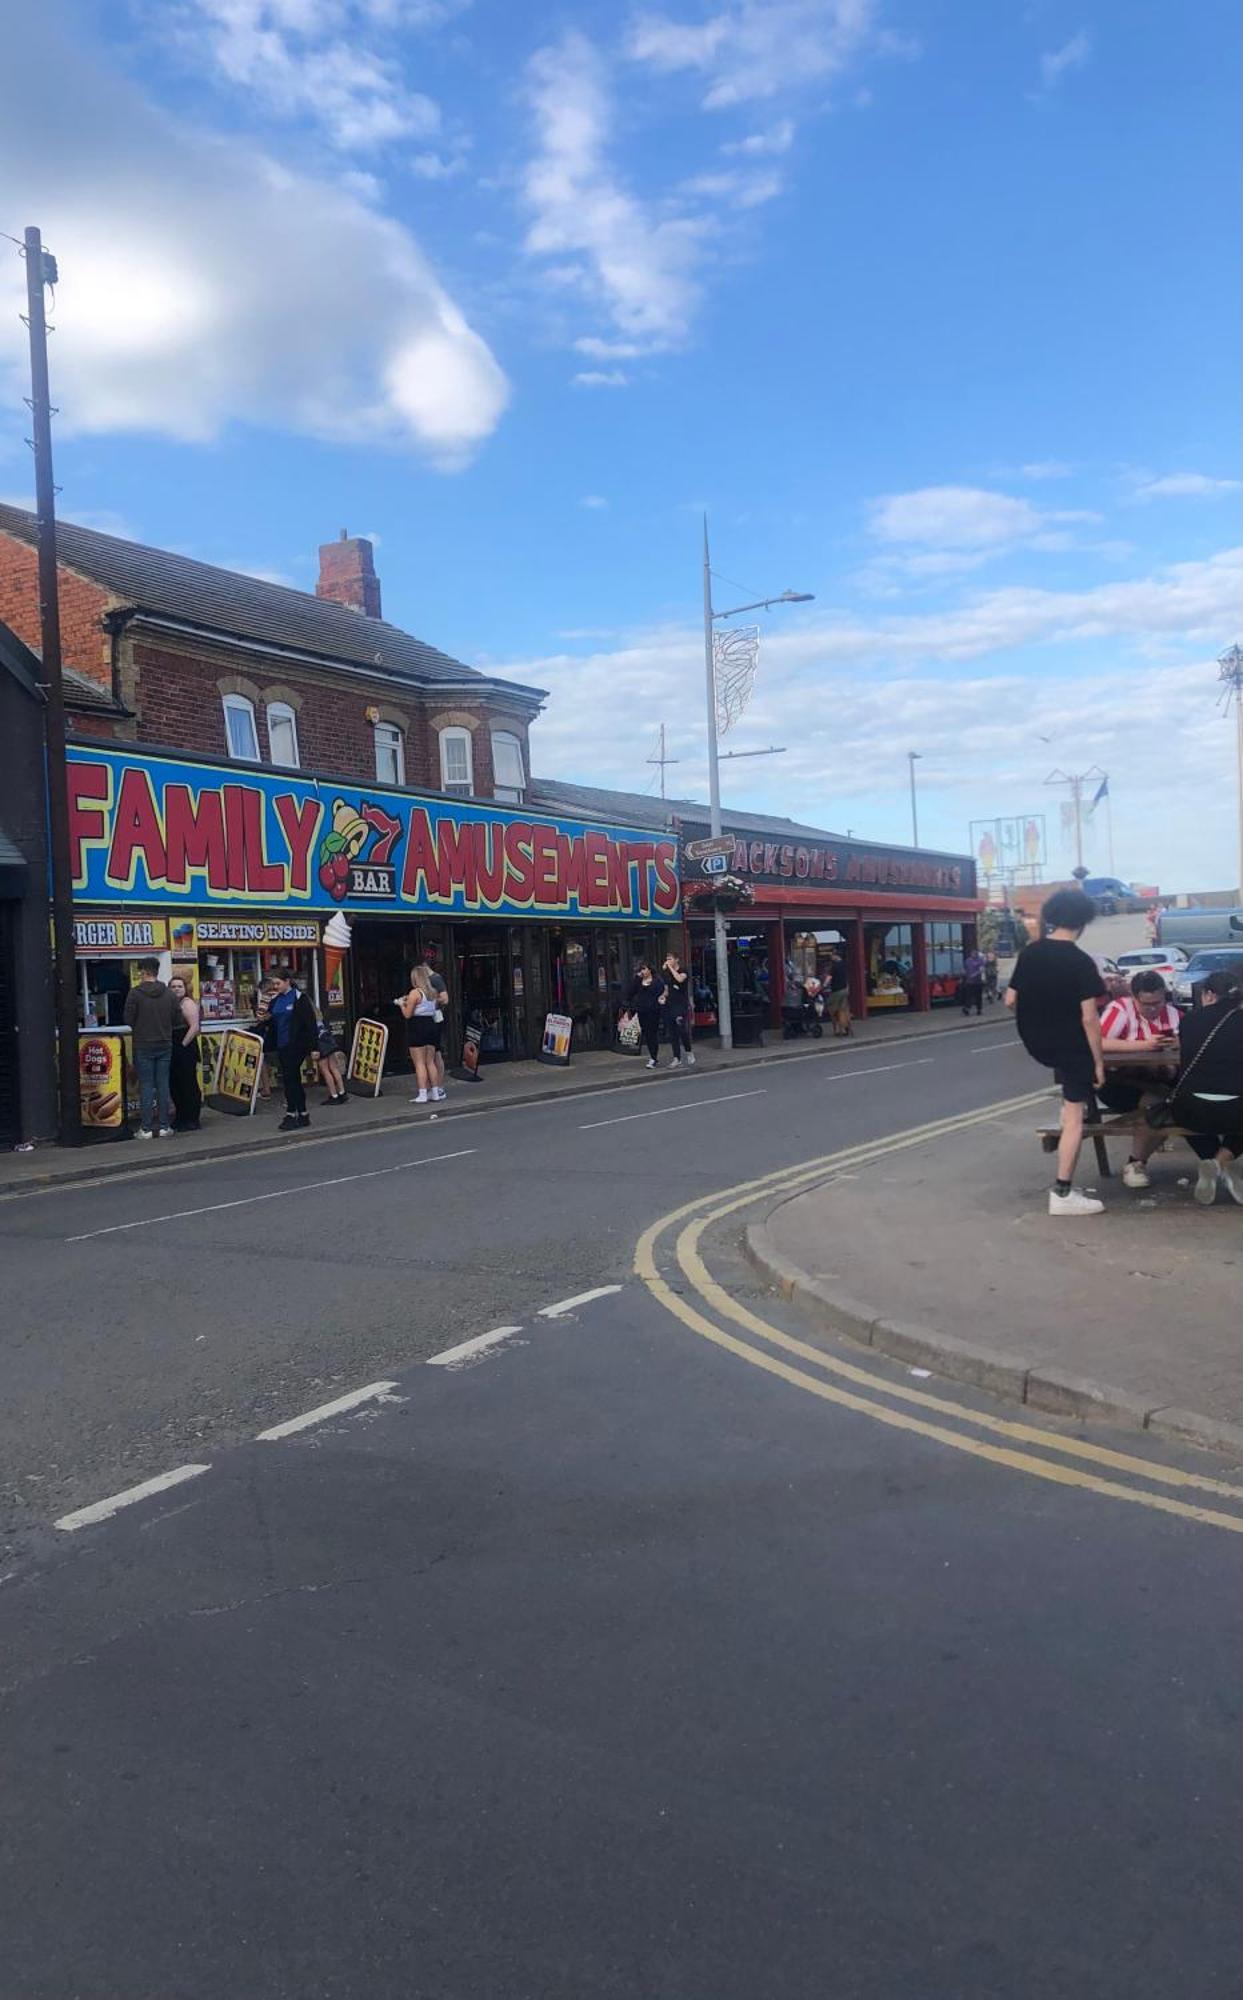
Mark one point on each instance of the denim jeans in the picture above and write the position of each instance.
(152, 1066)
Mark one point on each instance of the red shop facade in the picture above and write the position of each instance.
(901, 917)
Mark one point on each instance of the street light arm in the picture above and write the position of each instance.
(767, 603)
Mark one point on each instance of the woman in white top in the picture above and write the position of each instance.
(420, 1008)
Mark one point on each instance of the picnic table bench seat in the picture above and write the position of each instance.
(1124, 1124)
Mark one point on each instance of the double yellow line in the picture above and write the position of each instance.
(683, 1253)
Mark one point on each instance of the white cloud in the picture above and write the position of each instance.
(331, 61)
(738, 188)
(608, 350)
(596, 502)
(940, 531)
(757, 145)
(968, 685)
(962, 517)
(1047, 468)
(1185, 486)
(600, 378)
(203, 284)
(1060, 62)
(750, 50)
(640, 268)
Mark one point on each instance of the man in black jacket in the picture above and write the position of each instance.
(296, 1033)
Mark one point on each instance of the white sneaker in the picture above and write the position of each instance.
(1073, 1203)
(1135, 1175)
(438, 1095)
(651, 1062)
(1205, 1189)
(676, 1063)
(144, 1134)
(420, 1099)
(690, 1061)
(1233, 1178)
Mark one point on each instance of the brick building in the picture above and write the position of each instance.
(169, 651)
(247, 761)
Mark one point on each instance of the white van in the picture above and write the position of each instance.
(1199, 929)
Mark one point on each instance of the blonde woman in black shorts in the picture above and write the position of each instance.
(420, 1010)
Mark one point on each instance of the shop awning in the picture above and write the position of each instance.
(13, 869)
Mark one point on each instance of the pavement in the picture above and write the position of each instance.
(501, 1084)
(1132, 1316)
(472, 1582)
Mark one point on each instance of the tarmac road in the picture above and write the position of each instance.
(631, 1653)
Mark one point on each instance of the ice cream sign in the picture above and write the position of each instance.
(162, 831)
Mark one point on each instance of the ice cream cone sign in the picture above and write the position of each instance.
(337, 941)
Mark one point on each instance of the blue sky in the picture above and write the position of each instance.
(930, 306)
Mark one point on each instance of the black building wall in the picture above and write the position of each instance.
(27, 1006)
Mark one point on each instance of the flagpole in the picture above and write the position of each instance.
(1109, 823)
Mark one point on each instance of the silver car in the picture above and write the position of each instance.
(1228, 959)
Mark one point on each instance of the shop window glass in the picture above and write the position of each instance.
(390, 754)
(508, 775)
(456, 769)
(282, 734)
(241, 734)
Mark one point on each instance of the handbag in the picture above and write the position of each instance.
(1160, 1114)
(629, 1033)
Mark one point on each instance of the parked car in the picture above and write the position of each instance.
(1112, 896)
(1116, 981)
(1168, 963)
(1228, 960)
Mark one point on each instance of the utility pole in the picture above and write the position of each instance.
(662, 760)
(1077, 780)
(912, 758)
(1231, 665)
(41, 271)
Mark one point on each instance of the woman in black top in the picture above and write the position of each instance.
(1208, 1097)
(677, 1010)
(646, 999)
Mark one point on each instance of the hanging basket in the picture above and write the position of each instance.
(725, 893)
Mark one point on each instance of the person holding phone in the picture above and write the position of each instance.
(1142, 1018)
(677, 1005)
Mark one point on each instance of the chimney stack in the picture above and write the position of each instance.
(347, 574)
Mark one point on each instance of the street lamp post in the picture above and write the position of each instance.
(724, 1011)
(912, 758)
(1231, 665)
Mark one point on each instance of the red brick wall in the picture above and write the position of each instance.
(177, 697)
(83, 642)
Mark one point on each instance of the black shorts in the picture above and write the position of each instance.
(1118, 1095)
(1078, 1082)
(423, 1032)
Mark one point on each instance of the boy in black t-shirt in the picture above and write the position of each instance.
(1054, 990)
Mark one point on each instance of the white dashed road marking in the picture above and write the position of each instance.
(375, 1392)
(849, 1075)
(274, 1194)
(467, 1349)
(103, 1510)
(581, 1299)
(701, 1104)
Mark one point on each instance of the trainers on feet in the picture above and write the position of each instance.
(1135, 1175)
(1073, 1203)
(438, 1095)
(143, 1133)
(676, 1062)
(651, 1062)
(1205, 1189)
(289, 1123)
(690, 1061)
(420, 1099)
(1232, 1176)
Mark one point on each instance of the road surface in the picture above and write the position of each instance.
(640, 1645)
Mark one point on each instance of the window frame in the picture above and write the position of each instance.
(281, 711)
(394, 735)
(241, 704)
(513, 795)
(462, 788)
